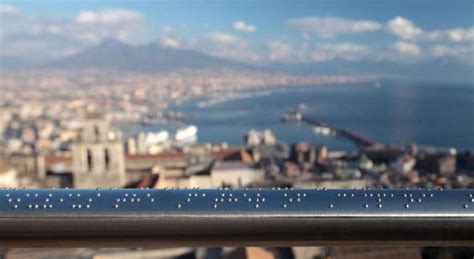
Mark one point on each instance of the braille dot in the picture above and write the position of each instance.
(116, 206)
(7, 195)
(379, 206)
(27, 195)
(61, 200)
(132, 200)
(152, 200)
(88, 206)
(30, 206)
(298, 200)
(178, 206)
(419, 200)
(250, 199)
(407, 206)
(98, 195)
(138, 199)
(366, 206)
(134, 195)
(215, 206)
(290, 199)
(89, 200)
(36, 206)
(50, 195)
(203, 195)
(148, 195)
(126, 194)
(465, 206)
(285, 194)
(50, 206)
(263, 199)
(15, 206)
(235, 199)
(46, 200)
(331, 206)
(256, 206)
(10, 200)
(78, 195)
(284, 206)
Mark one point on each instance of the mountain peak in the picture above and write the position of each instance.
(112, 54)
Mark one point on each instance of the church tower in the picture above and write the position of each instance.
(98, 159)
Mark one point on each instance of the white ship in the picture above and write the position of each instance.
(323, 130)
(156, 138)
(186, 134)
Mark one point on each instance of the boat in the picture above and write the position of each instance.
(153, 138)
(188, 133)
(292, 116)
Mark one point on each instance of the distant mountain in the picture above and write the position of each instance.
(115, 55)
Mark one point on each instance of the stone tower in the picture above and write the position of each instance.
(98, 160)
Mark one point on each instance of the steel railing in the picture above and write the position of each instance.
(235, 217)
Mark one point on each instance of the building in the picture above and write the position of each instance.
(98, 158)
(8, 175)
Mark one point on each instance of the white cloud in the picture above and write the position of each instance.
(460, 34)
(407, 30)
(463, 53)
(170, 42)
(406, 48)
(222, 38)
(108, 16)
(243, 26)
(283, 51)
(225, 45)
(6, 9)
(345, 51)
(328, 27)
(404, 28)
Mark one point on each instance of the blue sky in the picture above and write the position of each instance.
(247, 31)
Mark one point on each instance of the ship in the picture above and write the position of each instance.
(292, 116)
(323, 130)
(156, 138)
(186, 134)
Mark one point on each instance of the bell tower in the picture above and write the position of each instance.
(98, 159)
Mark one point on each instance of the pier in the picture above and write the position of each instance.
(354, 137)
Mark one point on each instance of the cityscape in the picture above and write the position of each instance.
(109, 115)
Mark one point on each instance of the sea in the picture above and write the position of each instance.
(387, 112)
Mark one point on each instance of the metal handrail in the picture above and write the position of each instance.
(235, 217)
